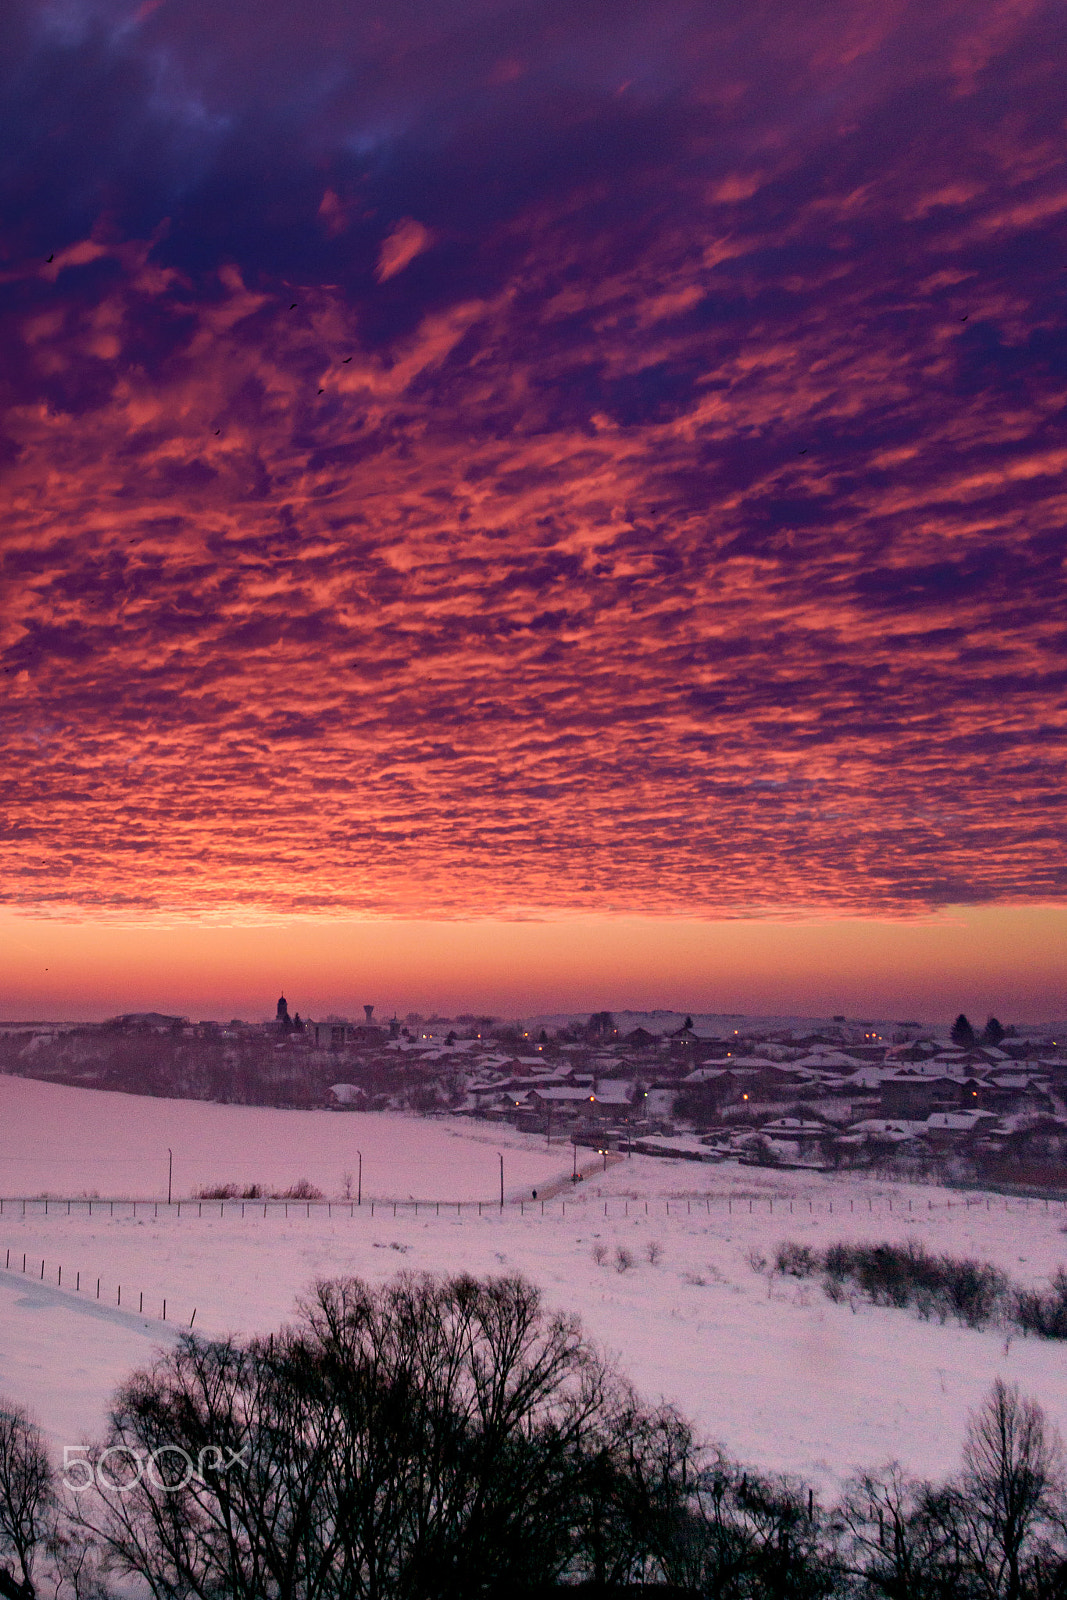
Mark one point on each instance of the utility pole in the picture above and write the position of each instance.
(359, 1180)
(170, 1171)
(501, 1180)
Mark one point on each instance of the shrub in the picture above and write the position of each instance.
(623, 1258)
(235, 1191)
(1043, 1312)
(974, 1292)
(599, 1253)
(794, 1260)
(301, 1190)
(653, 1251)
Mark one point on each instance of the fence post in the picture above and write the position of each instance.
(164, 1311)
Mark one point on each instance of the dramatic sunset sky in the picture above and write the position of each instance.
(533, 504)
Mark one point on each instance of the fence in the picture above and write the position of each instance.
(618, 1206)
(73, 1285)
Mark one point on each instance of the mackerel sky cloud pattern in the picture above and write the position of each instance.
(496, 458)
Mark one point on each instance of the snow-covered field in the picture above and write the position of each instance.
(782, 1376)
(60, 1141)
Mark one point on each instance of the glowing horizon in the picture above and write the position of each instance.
(1004, 961)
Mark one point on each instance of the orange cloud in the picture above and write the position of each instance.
(400, 247)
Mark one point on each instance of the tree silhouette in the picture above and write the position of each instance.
(992, 1033)
(963, 1033)
(27, 1496)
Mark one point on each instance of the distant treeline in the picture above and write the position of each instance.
(245, 1069)
(449, 1439)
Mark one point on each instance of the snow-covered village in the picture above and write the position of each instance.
(961, 1102)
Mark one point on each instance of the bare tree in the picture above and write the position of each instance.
(27, 1501)
(746, 1536)
(1012, 1489)
(902, 1537)
(428, 1439)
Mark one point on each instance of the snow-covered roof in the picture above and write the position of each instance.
(957, 1121)
(894, 1128)
(345, 1093)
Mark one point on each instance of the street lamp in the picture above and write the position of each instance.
(170, 1171)
(359, 1180)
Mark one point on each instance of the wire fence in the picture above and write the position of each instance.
(98, 1289)
(18, 1207)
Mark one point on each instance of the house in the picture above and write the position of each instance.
(797, 1140)
(946, 1129)
(915, 1095)
(607, 1104)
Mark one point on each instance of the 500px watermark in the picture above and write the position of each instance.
(169, 1467)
